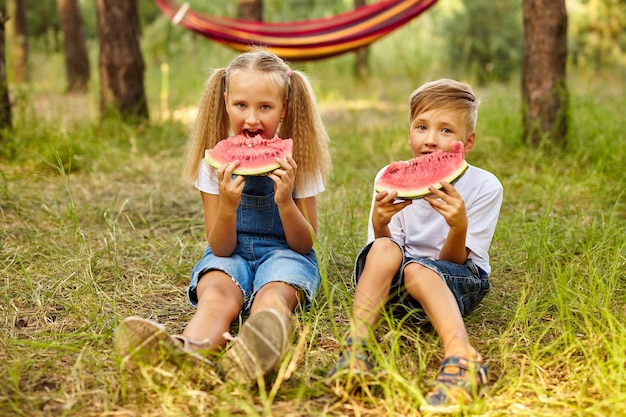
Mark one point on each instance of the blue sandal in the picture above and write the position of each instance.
(459, 382)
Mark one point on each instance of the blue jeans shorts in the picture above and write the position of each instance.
(468, 283)
(256, 262)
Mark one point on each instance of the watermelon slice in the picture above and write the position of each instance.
(257, 156)
(412, 178)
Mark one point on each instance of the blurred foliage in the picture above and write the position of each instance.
(44, 27)
(597, 36)
(476, 39)
(485, 38)
(43, 22)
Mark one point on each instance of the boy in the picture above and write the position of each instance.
(430, 256)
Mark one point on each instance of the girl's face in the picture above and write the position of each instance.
(436, 129)
(254, 105)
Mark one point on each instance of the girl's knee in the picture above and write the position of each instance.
(277, 295)
(218, 287)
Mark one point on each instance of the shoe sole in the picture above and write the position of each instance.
(141, 341)
(258, 348)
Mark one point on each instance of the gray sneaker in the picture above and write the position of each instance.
(258, 348)
(141, 341)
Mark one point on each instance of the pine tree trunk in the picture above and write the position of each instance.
(20, 26)
(251, 10)
(544, 85)
(361, 64)
(76, 59)
(5, 104)
(121, 64)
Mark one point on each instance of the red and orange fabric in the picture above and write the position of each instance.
(305, 40)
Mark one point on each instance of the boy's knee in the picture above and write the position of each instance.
(384, 245)
(415, 271)
(384, 256)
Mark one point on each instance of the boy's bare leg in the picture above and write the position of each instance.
(372, 291)
(425, 286)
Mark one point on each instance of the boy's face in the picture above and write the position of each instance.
(436, 129)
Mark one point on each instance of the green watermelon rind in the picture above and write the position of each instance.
(216, 161)
(406, 192)
(416, 194)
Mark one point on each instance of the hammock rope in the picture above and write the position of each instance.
(304, 39)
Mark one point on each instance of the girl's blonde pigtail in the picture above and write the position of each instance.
(303, 123)
(211, 123)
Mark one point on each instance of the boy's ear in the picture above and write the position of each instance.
(469, 142)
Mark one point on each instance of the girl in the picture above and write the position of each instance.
(260, 230)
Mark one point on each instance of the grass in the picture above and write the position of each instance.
(96, 225)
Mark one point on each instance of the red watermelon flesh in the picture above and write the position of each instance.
(257, 156)
(412, 178)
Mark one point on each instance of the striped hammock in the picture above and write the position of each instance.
(304, 40)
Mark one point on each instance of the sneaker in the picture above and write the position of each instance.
(191, 346)
(141, 341)
(258, 348)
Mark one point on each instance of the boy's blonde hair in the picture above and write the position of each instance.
(302, 121)
(448, 95)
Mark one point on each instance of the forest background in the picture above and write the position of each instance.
(96, 223)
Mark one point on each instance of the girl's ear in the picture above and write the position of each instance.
(284, 112)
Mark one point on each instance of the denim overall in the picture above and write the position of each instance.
(262, 254)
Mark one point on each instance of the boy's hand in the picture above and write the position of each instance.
(385, 206)
(230, 188)
(449, 203)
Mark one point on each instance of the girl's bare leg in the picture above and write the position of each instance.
(219, 304)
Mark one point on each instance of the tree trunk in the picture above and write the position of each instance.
(361, 64)
(76, 60)
(22, 74)
(544, 85)
(121, 64)
(5, 104)
(251, 10)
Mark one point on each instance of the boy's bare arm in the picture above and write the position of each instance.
(385, 206)
(449, 203)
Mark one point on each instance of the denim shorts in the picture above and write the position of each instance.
(468, 283)
(256, 262)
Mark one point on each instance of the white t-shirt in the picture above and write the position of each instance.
(207, 183)
(421, 231)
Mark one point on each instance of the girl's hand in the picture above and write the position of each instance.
(230, 188)
(449, 203)
(284, 180)
(385, 206)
